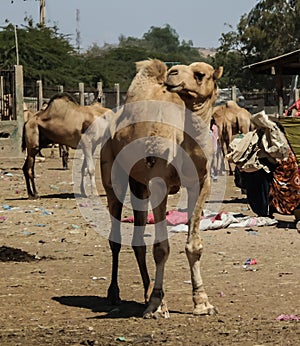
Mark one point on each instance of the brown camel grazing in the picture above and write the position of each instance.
(230, 120)
(63, 121)
(158, 145)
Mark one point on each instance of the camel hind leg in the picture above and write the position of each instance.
(161, 249)
(28, 170)
(115, 196)
(139, 201)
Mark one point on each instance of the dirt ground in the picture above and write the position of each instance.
(55, 271)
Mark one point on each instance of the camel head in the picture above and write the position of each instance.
(194, 83)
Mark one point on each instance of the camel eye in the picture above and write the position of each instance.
(199, 76)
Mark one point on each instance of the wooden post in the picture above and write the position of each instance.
(81, 93)
(117, 89)
(39, 85)
(101, 93)
(1, 95)
(279, 88)
(297, 94)
(233, 93)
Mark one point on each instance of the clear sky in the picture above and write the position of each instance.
(202, 21)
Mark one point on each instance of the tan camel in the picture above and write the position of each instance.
(63, 122)
(230, 120)
(160, 145)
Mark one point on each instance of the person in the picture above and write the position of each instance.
(284, 193)
(267, 168)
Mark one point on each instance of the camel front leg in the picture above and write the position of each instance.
(194, 249)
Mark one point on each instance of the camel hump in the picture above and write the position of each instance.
(152, 68)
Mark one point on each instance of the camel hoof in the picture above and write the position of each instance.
(113, 295)
(204, 310)
(161, 312)
(32, 197)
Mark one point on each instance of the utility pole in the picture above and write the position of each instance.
(78, 30)
(42, 12)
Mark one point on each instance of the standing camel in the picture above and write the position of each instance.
(165, 123)
(230, 120)
(64, 122)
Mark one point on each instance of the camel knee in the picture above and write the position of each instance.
(161, 252)
(194, 248)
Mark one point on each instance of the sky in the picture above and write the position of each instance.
(100, 22)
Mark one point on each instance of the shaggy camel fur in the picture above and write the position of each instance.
(230, 120)
(63, 121)
(172, 148)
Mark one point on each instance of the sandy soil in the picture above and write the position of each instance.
(58, 296)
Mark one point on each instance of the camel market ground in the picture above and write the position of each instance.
(58, 296)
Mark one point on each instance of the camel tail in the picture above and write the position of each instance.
(23, 138)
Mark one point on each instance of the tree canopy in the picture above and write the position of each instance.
(269, 29)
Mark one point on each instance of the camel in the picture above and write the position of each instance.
(165, 123)
(64, 122)
(231, 120)
(63, 149)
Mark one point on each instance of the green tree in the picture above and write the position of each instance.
(271, 28)
(44, 53)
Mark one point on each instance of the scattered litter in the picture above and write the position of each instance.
(250, 231)
(250, 262)
(189, 282)
(121, 338)
(179, 228)
(283, 317)
(3, 218)
(221, 294)
(83, 205)
(27, 233)
(98, 277)
(75, 226)
(6, 207)
(46, 212)
(53, 187)
(40, 225)
(8, 174)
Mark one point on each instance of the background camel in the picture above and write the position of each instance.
(230, 120)
(64, 122)
(172, 147)
(63, 149)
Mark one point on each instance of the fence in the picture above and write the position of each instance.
(84, 96)
(11, 110)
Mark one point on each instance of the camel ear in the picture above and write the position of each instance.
(218, 73)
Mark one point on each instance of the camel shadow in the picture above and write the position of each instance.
(63, 195)
(286, 224)
(127, 308)
(96, 304)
